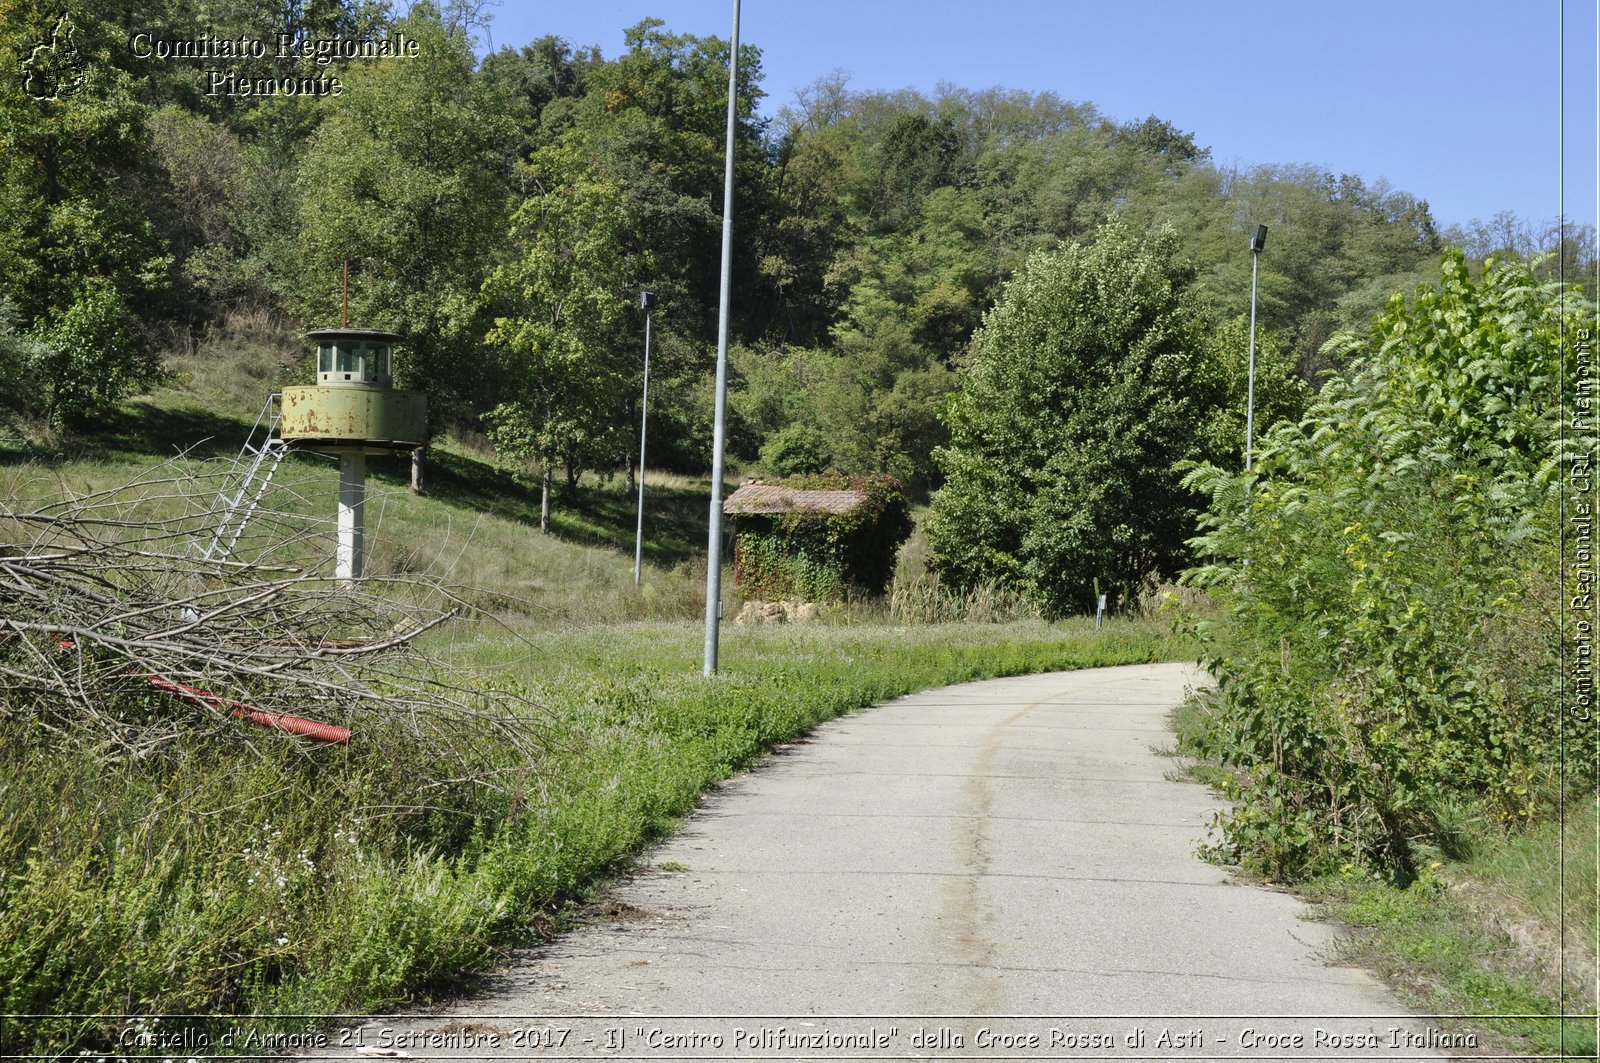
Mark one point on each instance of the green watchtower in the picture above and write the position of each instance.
(352, 411)
(354, 405)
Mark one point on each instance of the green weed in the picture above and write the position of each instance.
(1448, 955)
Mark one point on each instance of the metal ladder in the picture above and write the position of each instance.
(246, 482)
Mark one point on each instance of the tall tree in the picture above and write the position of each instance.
(654, 119)
(564, 300)
(1083, 396)
(81, 267)
(541, 84)
(406, 179)
(619, 195)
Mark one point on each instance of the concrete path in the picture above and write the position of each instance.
(889, 886)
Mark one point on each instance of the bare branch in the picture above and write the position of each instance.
(115, 633)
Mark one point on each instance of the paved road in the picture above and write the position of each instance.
(1012, 848)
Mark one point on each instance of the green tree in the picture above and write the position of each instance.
(81, 267)
(1081, 399)
(1280, 394)
(914, 155)
(933, 280)
(641, 155)
(19, 353)
(653, 120)
(541, 84)
(205, 213)
(564, 301)
(406, 179)
(811, 227)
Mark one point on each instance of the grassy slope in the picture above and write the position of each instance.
(476, 530)
(1480, 936)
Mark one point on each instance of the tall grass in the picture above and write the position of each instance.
(1540, 887)
(234, 363)
(1505, 934)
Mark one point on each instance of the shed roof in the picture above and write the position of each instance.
(759, 498)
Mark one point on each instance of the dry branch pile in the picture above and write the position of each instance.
(115, 633)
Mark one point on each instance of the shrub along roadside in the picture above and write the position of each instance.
(1392, 646)
(1495, 934)
(204, 880)
(1389, 702)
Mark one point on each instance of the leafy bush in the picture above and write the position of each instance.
(85, 358)
(797, 450)
(1392, 644)
(19, 353)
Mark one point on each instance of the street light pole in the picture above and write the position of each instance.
(1258, 241)
(714, 537)
(647, 302)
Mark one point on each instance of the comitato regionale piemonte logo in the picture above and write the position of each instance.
(54, 69)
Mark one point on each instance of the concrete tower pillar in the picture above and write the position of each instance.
(352, 512)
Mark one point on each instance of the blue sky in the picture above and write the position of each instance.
(1458, 103)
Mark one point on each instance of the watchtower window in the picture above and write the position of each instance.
(349, 359)
(380, 362)
(325, 359)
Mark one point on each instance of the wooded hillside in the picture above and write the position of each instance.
(502, 212)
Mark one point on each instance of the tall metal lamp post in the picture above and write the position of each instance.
(647, 303)
(714, 536)
(1258, 241)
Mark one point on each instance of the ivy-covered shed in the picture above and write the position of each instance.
(817, 538)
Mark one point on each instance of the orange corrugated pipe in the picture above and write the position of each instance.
(295, 725)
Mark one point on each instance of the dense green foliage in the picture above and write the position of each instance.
(502, 212)
(1089, 383)
(823, 557)
(405, 179)
(1392, 651)
(616, 197)
(80, 258)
